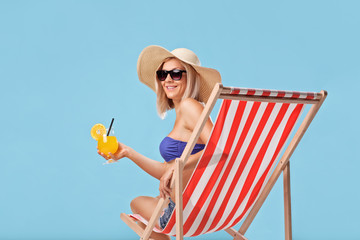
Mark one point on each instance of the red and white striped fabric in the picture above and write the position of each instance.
(237, 162)
(274, 93)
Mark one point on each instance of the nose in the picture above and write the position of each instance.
(168, 78)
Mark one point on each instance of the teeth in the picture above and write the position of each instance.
(171, 87)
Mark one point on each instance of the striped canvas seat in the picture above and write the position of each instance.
(249, 134)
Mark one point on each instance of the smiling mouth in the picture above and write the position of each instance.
(171, 87)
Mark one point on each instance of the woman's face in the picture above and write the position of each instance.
(174, 89)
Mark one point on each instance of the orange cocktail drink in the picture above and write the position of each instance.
(108, 144)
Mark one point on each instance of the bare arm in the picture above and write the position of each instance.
(154, 168)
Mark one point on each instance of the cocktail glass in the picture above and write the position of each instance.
(108, 144)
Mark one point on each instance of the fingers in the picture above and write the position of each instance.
(111, 155)
(103, 155)
(164, 186)
(164, 194)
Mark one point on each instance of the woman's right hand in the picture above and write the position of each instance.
(122, 152)
(165, 180)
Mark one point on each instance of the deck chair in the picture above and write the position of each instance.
(239, 165)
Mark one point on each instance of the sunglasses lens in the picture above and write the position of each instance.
(161, 74)
(176, 74)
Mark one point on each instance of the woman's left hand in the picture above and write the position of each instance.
(122, 151)
(165, 182)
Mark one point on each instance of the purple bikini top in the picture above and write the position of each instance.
(171, 148)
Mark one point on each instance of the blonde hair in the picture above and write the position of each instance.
(163, 103)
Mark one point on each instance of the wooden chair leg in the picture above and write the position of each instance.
(235, 234)
(179, 199)
(287, 202)
(156, 215)
(132, 224)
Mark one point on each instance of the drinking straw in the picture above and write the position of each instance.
(110, 127)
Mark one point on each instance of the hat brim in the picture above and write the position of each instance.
(152, 57)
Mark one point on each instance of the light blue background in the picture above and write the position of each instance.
(66, 65)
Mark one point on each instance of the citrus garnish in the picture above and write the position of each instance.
(97, 131)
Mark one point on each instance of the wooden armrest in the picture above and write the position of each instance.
(132, 224)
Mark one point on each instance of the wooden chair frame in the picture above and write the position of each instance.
(283, 166)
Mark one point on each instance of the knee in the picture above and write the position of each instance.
(134, 204)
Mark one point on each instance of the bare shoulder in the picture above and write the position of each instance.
(191, 106)
(190, 110)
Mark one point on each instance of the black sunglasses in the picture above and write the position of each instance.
(175, 74)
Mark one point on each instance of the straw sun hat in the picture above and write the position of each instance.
(152, 57)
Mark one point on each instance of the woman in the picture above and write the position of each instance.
(181, 84)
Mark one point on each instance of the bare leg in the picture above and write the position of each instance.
(145, 206)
